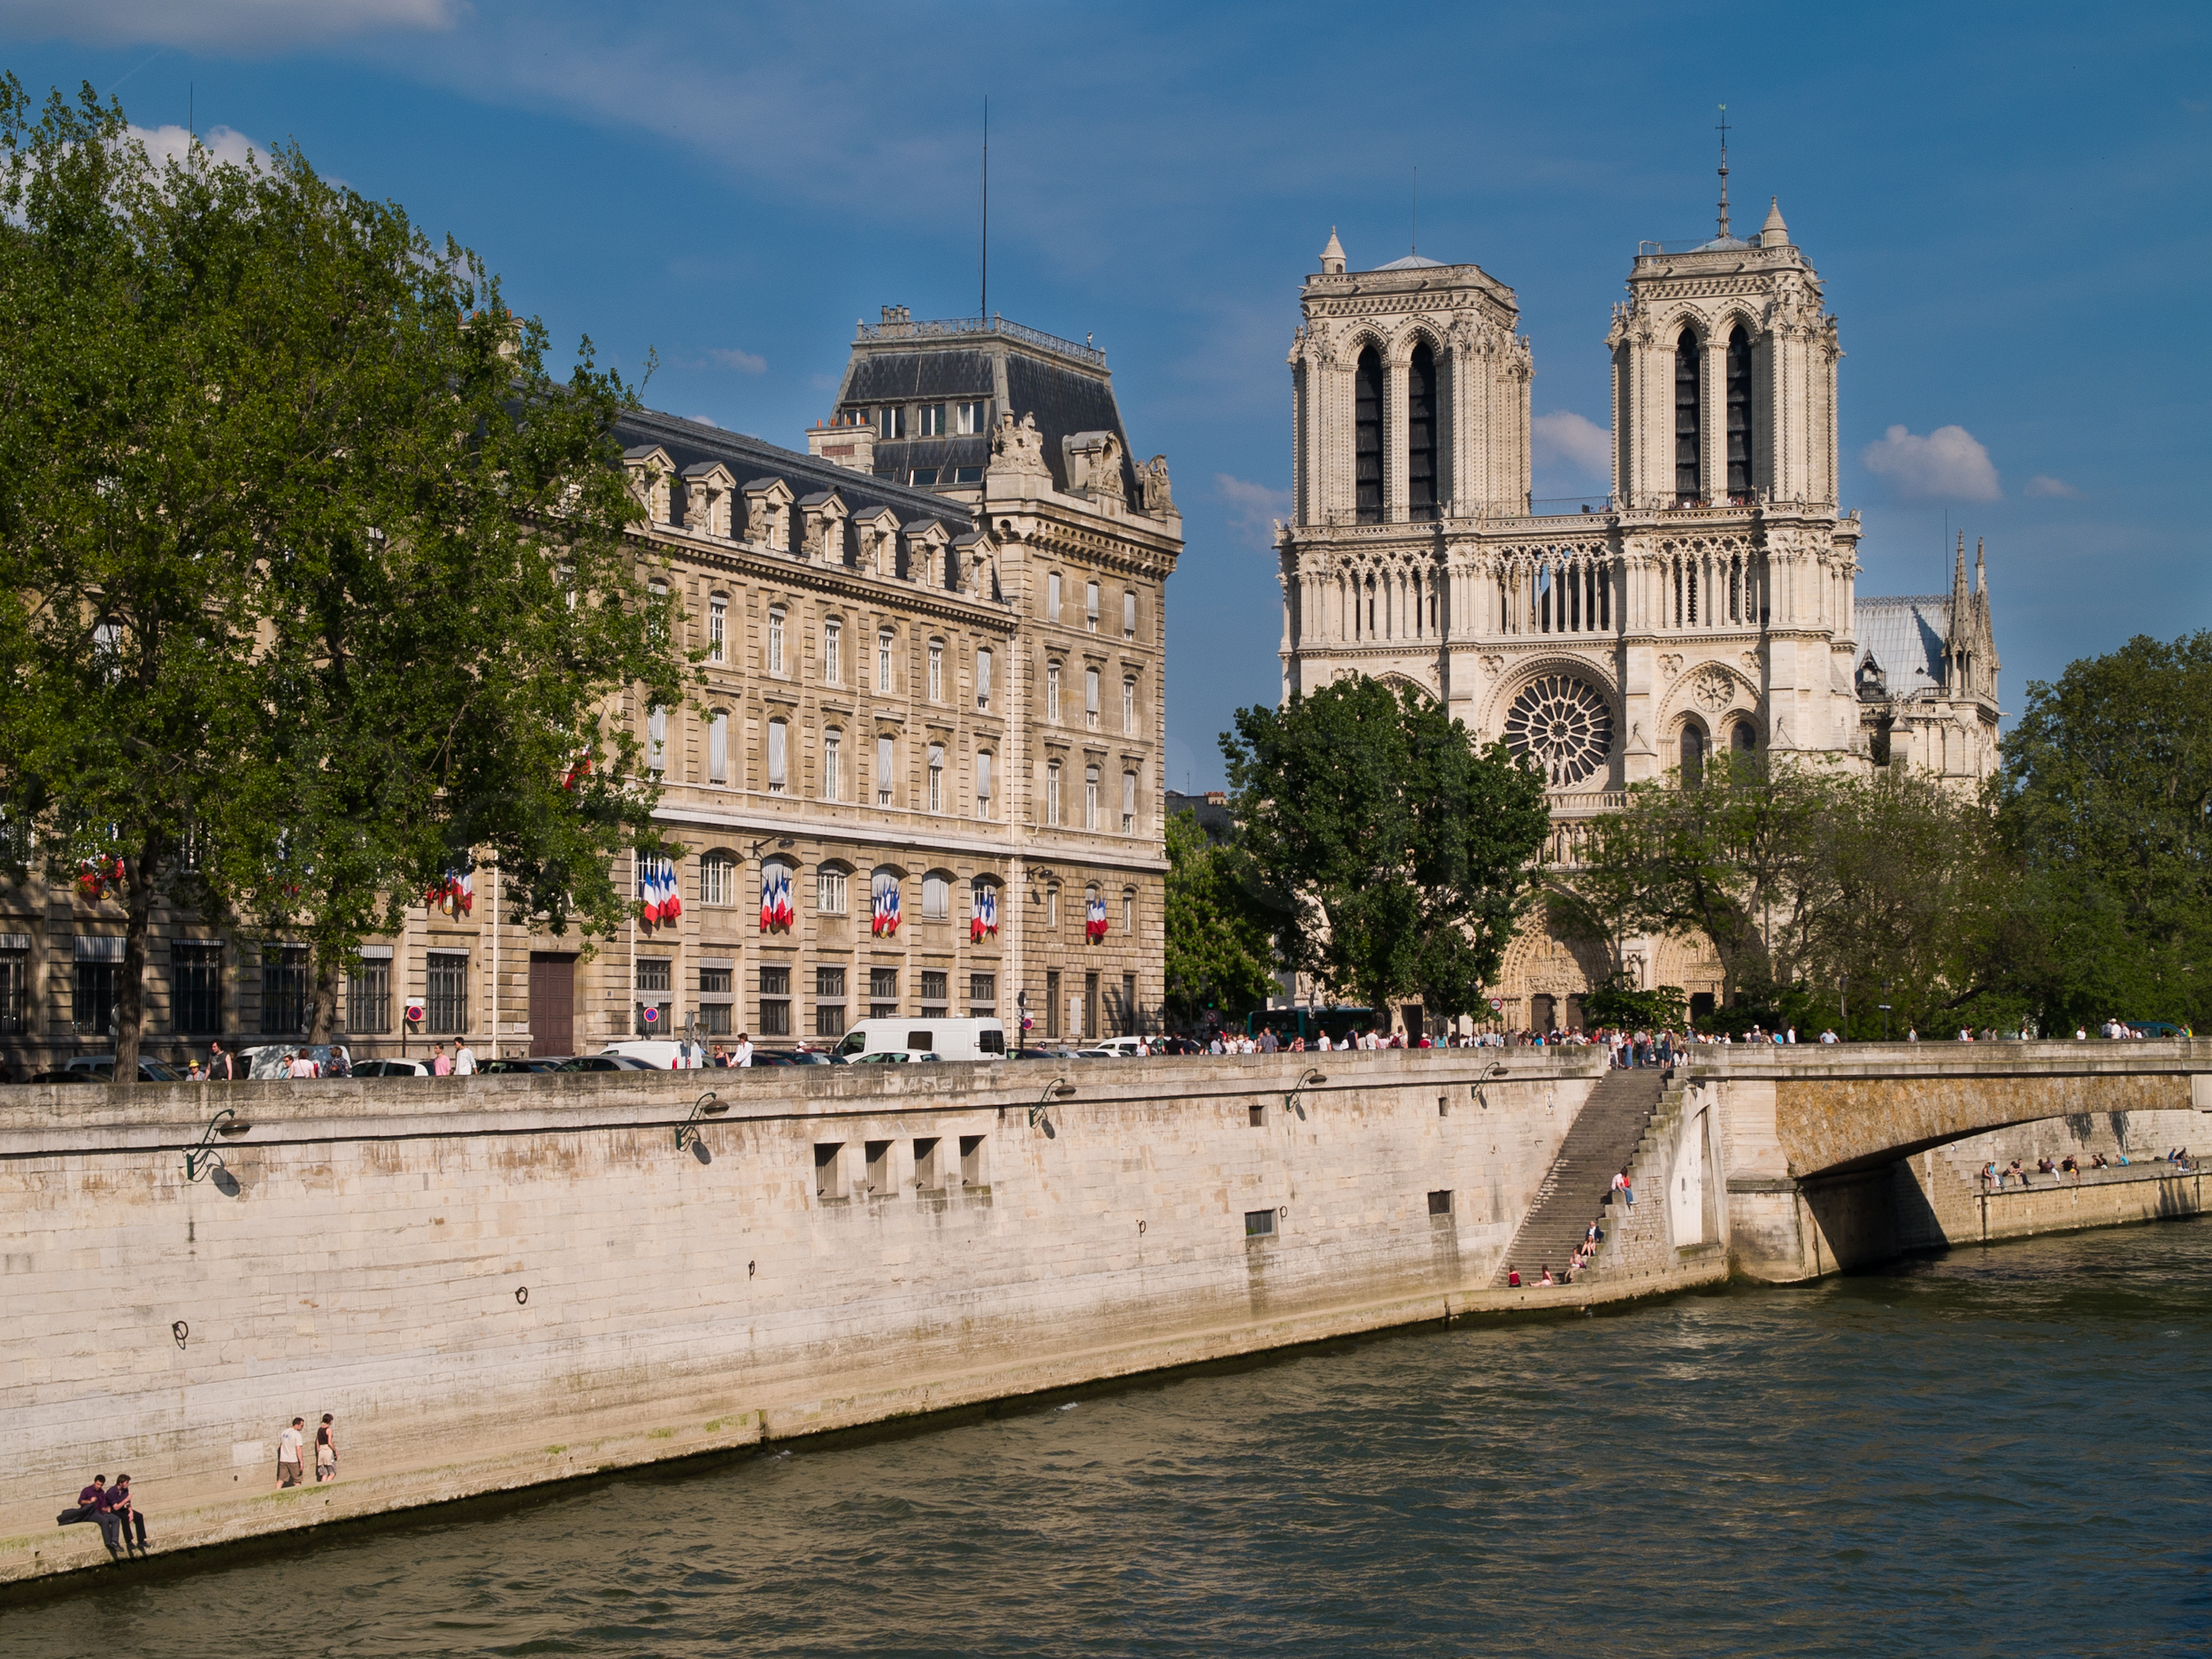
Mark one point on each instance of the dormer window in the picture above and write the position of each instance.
(933, 420)
(968, 419)
(891, 421)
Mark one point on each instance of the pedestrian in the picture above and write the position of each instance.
(440, 1063)
(326, 1451)
(127, 1515)
(289, 1445)
(300, 1065)
(222, 1065)
(341, 1061)
(744, 1055)
(464, 1059)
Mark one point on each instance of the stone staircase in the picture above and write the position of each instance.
(1605, 1139)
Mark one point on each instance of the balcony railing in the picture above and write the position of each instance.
(952, 328)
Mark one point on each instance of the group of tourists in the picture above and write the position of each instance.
(1995, 1180)
(291, 1448)
(122, 1524)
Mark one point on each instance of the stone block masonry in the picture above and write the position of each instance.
(503, 1280)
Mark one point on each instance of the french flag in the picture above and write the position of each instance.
(775, 897)
(984, 923)
(1094, 919)
(884, 921)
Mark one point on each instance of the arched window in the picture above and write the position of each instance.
(1744, 737)
(1367, 451)
(718, 877)
(1688, 474)
(1421, 494)
(829, 888)
(1740, 470)
(1692, 757)
(936, 897)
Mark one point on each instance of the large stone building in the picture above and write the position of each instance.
(925, 777)
(1707, 600)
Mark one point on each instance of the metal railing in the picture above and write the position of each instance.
(952, 328)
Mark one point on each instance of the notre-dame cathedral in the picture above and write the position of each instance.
(1707, 600)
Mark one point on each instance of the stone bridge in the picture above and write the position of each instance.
(1830, 1154)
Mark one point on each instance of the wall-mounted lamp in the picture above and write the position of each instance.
(203, 1157)
(706, 1106)
(1298, 1088)
(1488, 1071)
(1059, 1088)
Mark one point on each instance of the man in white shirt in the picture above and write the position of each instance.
(464, 1060)
(743, 1053)
(288, 1447)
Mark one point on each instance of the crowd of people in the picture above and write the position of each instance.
(1996, 1179)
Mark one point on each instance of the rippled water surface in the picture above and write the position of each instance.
(1998, 1450)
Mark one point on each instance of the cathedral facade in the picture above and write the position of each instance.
(1707, 600)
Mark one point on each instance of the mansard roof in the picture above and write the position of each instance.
(1903, 637)
(693, 443)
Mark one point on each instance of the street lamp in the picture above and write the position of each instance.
(1885, 1008)
(1298, 1088)
(1059, 1088)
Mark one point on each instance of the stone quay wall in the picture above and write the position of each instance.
(499, 1282)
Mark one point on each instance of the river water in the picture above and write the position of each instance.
(1999, 1450)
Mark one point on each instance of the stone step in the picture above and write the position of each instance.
(1605, 1137)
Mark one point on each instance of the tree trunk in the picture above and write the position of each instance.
(322, 1014)
(130, 996)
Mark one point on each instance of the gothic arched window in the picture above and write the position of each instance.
(1367, 395)
(1692, 757)
(1687, 472)
(1739, 470)
(1421, 433)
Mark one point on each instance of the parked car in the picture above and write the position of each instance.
(536, 1064)
(100, 1068)
(1112, 1049)
(893, 1057)
(65, 1077)
(606, 1063)
(391, 1068)
(797, 1056)
(273, 1059)
(2156, 1028)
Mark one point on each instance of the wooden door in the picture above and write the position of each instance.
(552, 1004)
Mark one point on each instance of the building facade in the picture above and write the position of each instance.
(1707, 600)
(923, 776)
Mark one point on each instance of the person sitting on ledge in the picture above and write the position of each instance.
(127, 1515)
(2071, 1166)
(1547, 1277)
(92, 1505)
(1513, 1277)
(2098, 1163)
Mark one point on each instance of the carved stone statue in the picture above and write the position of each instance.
(1017, 447)
(1152, 480)
(1093, 461)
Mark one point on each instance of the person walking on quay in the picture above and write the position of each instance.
(222, 1065)
(341, 1061)
(440, 1063)
(326, 1451)
(289, 1445)
(464, 1059)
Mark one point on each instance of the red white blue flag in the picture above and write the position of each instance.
(884, 914)
(775, 897)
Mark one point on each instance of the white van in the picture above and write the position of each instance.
(947, 1039)
(663, 1054)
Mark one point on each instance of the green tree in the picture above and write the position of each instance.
(1394, 853)
(2102, 806)
(1219, 954)
(317, 583)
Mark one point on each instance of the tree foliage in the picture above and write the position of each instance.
(316, 582)
(1394, 853)
(1219, 954)
(2102, 811)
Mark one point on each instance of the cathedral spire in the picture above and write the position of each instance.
(1723, 172)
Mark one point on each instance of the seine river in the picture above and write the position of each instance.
(1999, 1451)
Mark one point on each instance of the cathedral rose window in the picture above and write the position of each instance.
(1565, 723)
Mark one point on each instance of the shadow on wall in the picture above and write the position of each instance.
(1869, 1217)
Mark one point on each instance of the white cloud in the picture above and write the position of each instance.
(743, 362)
(1252, 508)
(172, 143)
(244, 25)
(1948, 465)
(706, 421)
(1568, 438)
(2043, 484)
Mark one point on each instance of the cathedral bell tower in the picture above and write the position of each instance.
(1724, 374)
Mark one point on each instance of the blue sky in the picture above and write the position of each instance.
(2008, 203)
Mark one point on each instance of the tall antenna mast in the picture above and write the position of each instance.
(1723, 170)
(1414, 245)
(983, 261)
